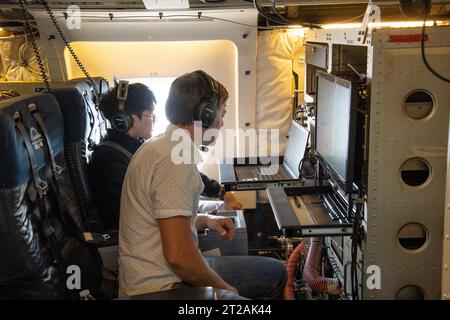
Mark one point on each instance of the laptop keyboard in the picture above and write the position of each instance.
(271, 173)
(337, 210)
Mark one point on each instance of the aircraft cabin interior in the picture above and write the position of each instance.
(224, 149)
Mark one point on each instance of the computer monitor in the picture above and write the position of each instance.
(336, 100)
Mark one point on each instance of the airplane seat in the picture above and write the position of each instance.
(40, 220)
(84, 127)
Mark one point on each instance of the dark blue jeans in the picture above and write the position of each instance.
(254, 277)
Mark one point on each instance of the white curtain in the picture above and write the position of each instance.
(276, 52)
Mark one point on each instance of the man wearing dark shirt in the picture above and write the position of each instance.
(111, 158)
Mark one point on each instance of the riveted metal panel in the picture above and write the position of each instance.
(394, 70)
(446, 244)
(397, 69)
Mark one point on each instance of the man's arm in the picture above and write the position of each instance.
(212, 187)
(183, 257)
(223, 225)
(214, 190)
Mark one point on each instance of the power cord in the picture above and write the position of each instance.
(71, 51)
(422, 51)
(280, 19)
(34, 45)
(354, 247)
(301, 168)
(198, 16)
(274, 8)
(265, 15)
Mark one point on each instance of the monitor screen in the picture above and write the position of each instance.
(333, 121)
(296, 147)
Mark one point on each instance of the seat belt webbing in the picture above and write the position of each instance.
(88, 238)
(118, 147)
(41, 187)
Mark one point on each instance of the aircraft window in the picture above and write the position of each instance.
(419, 105)
(410, 292)
(415, 172)
(160, 87)
(413, 237)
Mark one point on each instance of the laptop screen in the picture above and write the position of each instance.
(296, 147)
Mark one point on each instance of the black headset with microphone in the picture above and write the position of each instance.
(121, 120)
(208, 107)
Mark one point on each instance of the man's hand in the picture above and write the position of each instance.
(231, 202)
(223, 225)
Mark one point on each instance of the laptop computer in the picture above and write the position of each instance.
(289, 169)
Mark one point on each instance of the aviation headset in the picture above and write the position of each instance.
(207, 109)
(121, 120)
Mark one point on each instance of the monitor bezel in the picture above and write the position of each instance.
(346, 184)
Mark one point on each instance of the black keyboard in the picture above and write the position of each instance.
(337, 210)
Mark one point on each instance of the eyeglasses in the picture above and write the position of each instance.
(153, 116)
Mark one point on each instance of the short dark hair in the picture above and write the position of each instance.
(140, 98)
(186, 93)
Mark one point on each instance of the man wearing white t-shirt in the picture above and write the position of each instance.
(160, 196)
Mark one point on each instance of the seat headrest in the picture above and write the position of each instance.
(103, 86)
(77, 103)
(74, 100)
(14, 162)
(102, 83)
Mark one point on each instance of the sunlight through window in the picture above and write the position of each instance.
(160, 87)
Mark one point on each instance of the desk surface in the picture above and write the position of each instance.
(302, 213)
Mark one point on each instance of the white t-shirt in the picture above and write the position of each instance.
(155, 188)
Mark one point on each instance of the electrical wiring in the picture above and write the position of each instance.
(354, 246)
(422, 51)
(280, 19)
(311, 176)
(199, 17)
(274, 8)
(353, 265)
(351, 19)
(262, 13)
(225, 20)
(30, 31)
(71, 51)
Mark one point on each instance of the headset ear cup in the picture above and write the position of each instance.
(122, 122)
(206, 113)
